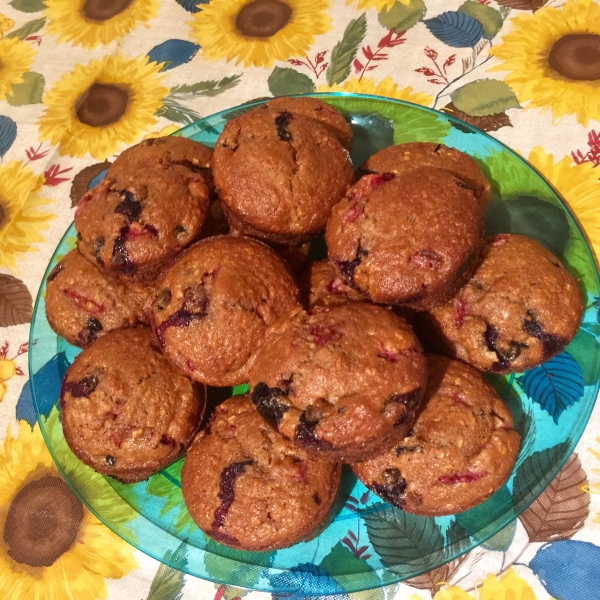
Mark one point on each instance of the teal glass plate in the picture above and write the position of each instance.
(369, 543)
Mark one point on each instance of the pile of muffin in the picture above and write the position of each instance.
(192, 269)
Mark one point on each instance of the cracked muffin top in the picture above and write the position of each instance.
(279, 173)
(214, 304)
(247, 487)
(346, 382)
(414, 155)
(84, 303)
(461, 449)
(126, 411)
(411, 239)
(520, 308)
(146, 210)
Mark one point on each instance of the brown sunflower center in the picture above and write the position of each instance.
(103, 10)
(101, 104)
(576, 56)
(42, 522)
(263, 18)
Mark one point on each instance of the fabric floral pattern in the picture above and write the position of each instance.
(259, 32)
(102, 105)
(21, 56)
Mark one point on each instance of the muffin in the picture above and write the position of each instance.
(404, 157)
(321, 288)
(346, 382)
(143, 213)
(125, 410)
(278, 174)
(462, 447)
(326, 115)
(410, 239)
(520, 308)
(248, 488)
(84, 303)
(214, 304)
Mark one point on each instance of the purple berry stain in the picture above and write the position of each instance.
(552, 344)
(229, 476)
(306, 436)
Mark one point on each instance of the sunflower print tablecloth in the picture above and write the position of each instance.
(82, 79)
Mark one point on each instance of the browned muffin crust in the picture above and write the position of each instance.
(84, 303)
(462, 447)
(322, 288)
(346, 382)
(411, 239)
(144, 212)
(278, 174)
(404, 157)
(248, 488)
(520, 308)
(320, 111)
(214, 304)
(126, 411)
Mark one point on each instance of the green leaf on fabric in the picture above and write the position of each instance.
(473, 520)
(484, 97)
(420, 127)
(227, 564)
(501, 541)
(585, 350)
(212, 87)
(26, 30)
(172, 110)
(168, 581)
(401, 17)
(28, 6)
(527, 478)
(490, 19)
(345, 50)
(30, 91)
(405, 542)
(579, 262)
(284, 81)
(232, 592)
(538, 219)
(457, 540)
(340, 561)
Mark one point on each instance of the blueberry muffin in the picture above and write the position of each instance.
(84, 303)
(143, 213)
(404, 157)
(322, 288)
(125, 410)
(248, 488)
(347, 382)
(461, 449)
(410, 239)
(321, 112)
(214, 304)
(278, 174)
(520, 308)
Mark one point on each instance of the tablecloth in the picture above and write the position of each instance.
(80, 80)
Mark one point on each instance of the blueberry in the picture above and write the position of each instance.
(306, 436)
(90, 332)
(392, 493)
(84, 387)
(97, 250)
(163, 300)
(111, 461)
(267, 403)
(129, 207)
(54, 273)
(551, 343)
(120, 257)
(281, 123)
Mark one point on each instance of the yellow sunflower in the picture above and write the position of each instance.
(6, 24)
(20, 217)
(378, 5)
(101, 106)
(553, 56)
(15, 59)
(259, 32)
(88, 23)
(386, 87)
(508, 586)
(51, 546)
(578, 184)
